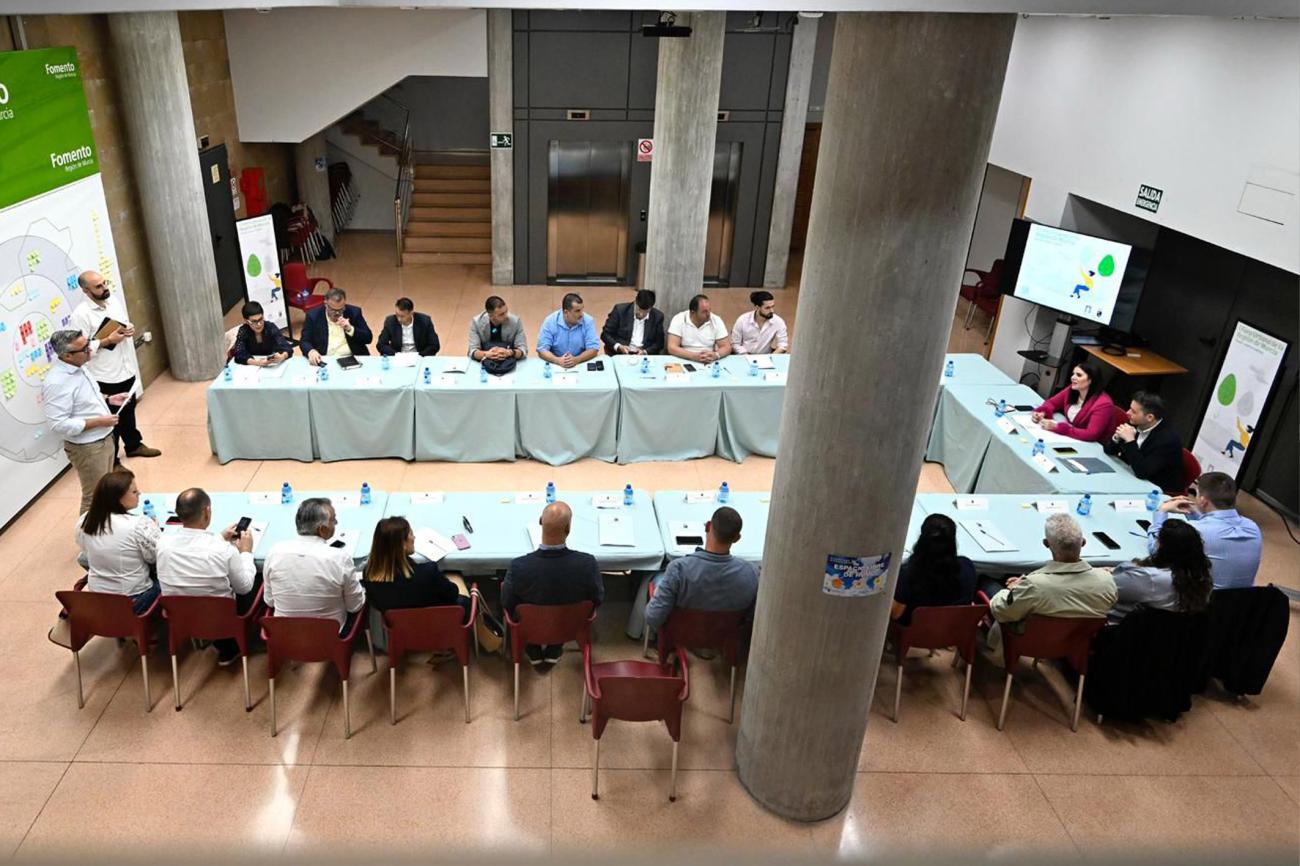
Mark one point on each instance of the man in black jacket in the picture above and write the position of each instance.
(408, 331)
(552, 574)
(1151, 448)
(634, 329)
(334, 329)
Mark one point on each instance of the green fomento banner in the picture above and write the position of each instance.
(45, 137)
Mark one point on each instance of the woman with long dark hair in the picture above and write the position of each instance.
(394, 580)
(934, 575)
(120, 547)
(1089, 412)
(1176, 577)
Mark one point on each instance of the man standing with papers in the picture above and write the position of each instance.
(112, 363)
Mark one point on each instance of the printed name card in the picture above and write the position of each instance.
(1005, 425)
(1044, 463)
(1130, 506)
(972, 503)
(1053, 506)
(427, 498)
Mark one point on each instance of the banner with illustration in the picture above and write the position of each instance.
(1250, 368)
(261, 258)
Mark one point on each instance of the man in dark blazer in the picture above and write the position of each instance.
(1151, 448)
(628, 323)
(393, 337)
(551, 575)
(335, 328)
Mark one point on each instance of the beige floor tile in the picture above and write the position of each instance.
(47, 517)
(423, 808)
(187, 461)
(195, 810)
(1290, 784)
(712, 811)
(1130, 814)
(24, 788)
(930, 813)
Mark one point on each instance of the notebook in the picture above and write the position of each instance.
(432, 545)
(616, 531)
(987, 536)
(534, 535)
(1086, 465)
(762, 362)
(406, 359)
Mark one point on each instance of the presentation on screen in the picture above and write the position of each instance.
(1074, 273)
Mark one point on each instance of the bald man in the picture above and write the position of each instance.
(112, 363)
(552, 574)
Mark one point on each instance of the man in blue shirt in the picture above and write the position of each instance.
(1232, 543)
(568, 335)
(708, 579)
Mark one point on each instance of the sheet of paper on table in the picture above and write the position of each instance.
(501, 381)
(275, 372)
(972, 503)
(762, 362)
(607, 500)
(777, 376)
(303, 380)
(534, 535)
(406, 359)
(564, 380)
(987, 536)
(432, 544)
(243, 375)
(428, 498)
(1130, 506)
(444, 381)
(695, 497)
(259, 497)
(616, 531)
(677, 377)
(1034, 431)
(1052, 506)
(258, 528)
(630, 360)
(457, 365)
(526, 498)
(345, 500)
(369, 382)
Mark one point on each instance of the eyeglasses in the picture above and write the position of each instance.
(258, 321)
(85, 348)
(106, 284)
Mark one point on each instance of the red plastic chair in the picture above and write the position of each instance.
(429, 629)
(1118, 416)
(939, 628)
(209, 618)
(107, 614)
(1050, 637)
(689, 628)
(1191, 470)
(547, 624)
(296, 281)
(983, 294)
(313, 639)
(634, 691)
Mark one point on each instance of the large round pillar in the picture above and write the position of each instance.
(164, 155)
(681, 176)
(910, 109)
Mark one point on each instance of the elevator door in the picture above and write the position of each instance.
(587, 212)
(722, 214)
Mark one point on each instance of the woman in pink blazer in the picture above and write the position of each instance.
(1089, 412)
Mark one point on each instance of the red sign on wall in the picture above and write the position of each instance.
(645, 149)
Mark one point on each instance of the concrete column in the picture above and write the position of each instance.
(793, 120)
(501, 118)
(313, 182)
(681, 176)
(164, 154)
(909, 114)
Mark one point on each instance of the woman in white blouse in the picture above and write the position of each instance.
(120, 547)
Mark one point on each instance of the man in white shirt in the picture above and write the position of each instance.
(761, 332)
(698, 334)
(306, 577)
(112, 361)
(78, 412)
(193, 561)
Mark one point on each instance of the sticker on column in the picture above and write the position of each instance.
(855, 575)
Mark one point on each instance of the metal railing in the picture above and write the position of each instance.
(405, 179)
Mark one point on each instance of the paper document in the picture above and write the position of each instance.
(263, 498)
(445, 381)
(762, 362)
(677, 377)
(1044, 463)
(616, 531)
(456, 365)
(344, 540)
(1034, 431)
(369, 382)
(427, 498)
(526, 498)
(1007, 426)
(695, 497)
(607, 500)
(303, 380)
(972, 503)
(1052, 506)
(275, 371)
(501, 381)
(243, 375)
(564, 380)
(631, 360)
(258, 528)
(777, 377)
(534, 535)
(987, 536)
(406, 359)
(432, 545)
(1130, 506)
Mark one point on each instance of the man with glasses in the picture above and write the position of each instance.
(79, 413)
(305, 576)
(259, 343)
(112, 363)
(335, 330)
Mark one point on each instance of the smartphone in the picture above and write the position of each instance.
(689, 368)
(173, 520)
(242, 526)
(689, 541)
(596, 366)
(1105, 539)
(337, 543)
(1021, 407)
(1065, 449)
(1145, 524)
(461, 542)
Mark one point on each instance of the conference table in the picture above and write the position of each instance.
(972, 369)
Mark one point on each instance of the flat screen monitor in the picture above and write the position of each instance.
(1093, 279)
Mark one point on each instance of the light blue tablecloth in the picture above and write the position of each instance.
(355, 421)
(963, 427)
(671, 506)
(1009, 468)
(1021, 524)
(270, 420)
(559, 424)
(971, 369)
(500, 528)
(466, 422)
(662, 420)
(751, 408)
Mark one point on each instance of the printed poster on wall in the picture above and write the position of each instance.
(261, 261)
(1250, 367)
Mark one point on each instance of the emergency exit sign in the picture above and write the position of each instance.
(502, 140)
(1149, 198)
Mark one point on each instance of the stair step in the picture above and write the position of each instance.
(419, 258)
(451, 199)
(452, 171)
(453, 184)
(452, 214)
(418, 244)
(417, 228)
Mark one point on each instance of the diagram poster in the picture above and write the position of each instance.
(53, 225)
(262, 268)
(1245, 380)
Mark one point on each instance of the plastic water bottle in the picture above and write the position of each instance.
(324, 373)
(229, 374)
(286, 493)
(948, 370)
(365, 493)
(1153, 501)
(1084, 508)
(1001, 408)
(1039, 448)
(482, 375)
(428, 376)
(753, 369)
(724, 493)
(645, 366)
(149, 510)
(546, 370)
(715, 369)
(628, 496)
(550, 492)
(385, 362)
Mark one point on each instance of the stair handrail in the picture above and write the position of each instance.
(405, 182)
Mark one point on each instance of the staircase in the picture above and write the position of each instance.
(387, 142)
(450, 220)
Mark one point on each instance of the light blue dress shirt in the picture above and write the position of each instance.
(560, 338)
(1233, 544)
(70, 398)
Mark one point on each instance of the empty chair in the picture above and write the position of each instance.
(634, 691)
(107, 614)
(1050, 637)
(688, 628)
(938, 628)
(313, 639)
(206, 617)
(429, 629)
(547, 624)
(300, 289)
(1191, 470)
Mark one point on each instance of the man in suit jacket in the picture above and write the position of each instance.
(634, 329)
(496, 333)
(334, 329)
(1151, 448)
(408, 331)
(552, 574)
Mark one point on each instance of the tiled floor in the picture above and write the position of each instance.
(111, 777)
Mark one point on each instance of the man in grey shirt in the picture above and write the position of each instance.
(496, 333)
(708, 579)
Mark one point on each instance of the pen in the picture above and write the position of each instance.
(465, 522)
(1136, 534)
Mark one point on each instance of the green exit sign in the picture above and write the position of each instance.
(502, 139)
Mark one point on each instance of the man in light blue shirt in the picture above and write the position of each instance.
(78, 413)
(1233, 543)
(568, 335)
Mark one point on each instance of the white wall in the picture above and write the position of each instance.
(999, 204)
(374, 180)
(296, 71)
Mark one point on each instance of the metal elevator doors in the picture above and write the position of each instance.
(587, 212)
(722, 213)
